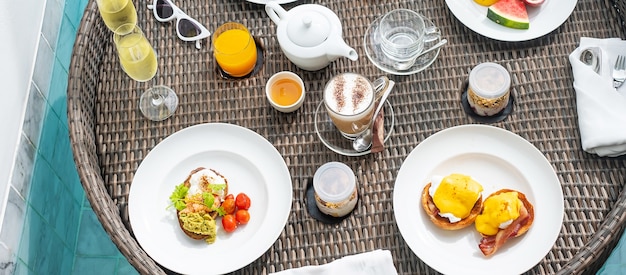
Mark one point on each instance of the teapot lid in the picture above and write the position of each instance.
(308, 29)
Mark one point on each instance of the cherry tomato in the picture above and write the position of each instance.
(242, 216)
(242, 201)
(229, 223)
(229, 196)
(229, 206)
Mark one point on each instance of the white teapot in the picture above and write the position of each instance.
(309, 35)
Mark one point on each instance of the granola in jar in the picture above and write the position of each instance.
(335, 189)
(489, 89)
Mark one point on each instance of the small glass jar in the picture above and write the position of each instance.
(488, 89)
(335, 189)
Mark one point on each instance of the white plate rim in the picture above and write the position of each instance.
(179, 253)
(543, 19)
(428, 242)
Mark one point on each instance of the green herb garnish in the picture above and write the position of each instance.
(217, 187)
(178, 196)
(208, 199)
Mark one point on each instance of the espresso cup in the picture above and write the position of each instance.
(401, 34)
(349, 100)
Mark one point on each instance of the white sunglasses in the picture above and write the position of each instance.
(187, 28)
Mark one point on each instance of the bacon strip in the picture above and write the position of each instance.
(490, 244)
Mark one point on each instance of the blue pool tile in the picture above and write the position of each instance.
(616, 263)
(125, 268)
(74, 10)
(93, 240)
(51, 255)
(75, 185)
(21, 269)
(47, 190)
(57, 97)
(94, 265)
(49, 133)
(65, 45)
(34, 227)
(68, 221)
(60, 153)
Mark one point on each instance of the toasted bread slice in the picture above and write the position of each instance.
(433, 213)
(201, 208)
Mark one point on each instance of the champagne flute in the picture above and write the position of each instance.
(139, 61)
(116, 13)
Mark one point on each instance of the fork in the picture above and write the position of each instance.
(619, 71)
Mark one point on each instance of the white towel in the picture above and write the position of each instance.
(377, 262)
(601, 108)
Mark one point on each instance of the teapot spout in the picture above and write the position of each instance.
(341, 49)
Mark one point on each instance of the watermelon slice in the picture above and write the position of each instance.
(509, 13)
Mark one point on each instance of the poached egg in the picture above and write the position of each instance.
(203, 181)
(454, 195)
(499, 211)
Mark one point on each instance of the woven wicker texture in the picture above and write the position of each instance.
(110, 137)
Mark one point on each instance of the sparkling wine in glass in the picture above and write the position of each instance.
(139, 61)
(116, 13)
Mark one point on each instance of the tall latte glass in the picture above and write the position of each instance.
(349, 99)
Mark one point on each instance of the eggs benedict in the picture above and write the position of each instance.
(506, 214)
(452, 202)
(197, 201)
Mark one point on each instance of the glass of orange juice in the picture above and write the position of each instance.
(234, 49)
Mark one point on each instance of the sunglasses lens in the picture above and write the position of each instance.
(188, 29)
(164, 10)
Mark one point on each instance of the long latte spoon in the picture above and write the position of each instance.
(364, 141)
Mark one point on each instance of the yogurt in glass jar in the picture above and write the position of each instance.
(489, 89)
(335, 189)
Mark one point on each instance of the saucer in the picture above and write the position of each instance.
(378, 58)
(332, 138)
(486, 119)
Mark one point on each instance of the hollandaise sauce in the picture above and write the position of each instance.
(498, 212)
(455, 195)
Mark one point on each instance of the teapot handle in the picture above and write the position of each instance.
(275, 11)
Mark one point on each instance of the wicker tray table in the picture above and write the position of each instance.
(110, 137)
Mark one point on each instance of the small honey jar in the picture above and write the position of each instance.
(335, 189)
(489, 89)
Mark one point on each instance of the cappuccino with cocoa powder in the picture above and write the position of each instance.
(349, 100)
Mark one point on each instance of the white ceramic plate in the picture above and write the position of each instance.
(543, 19)
(249, 162)
(497, 159)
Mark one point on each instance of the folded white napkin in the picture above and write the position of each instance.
(369, 263)
(601, 108)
